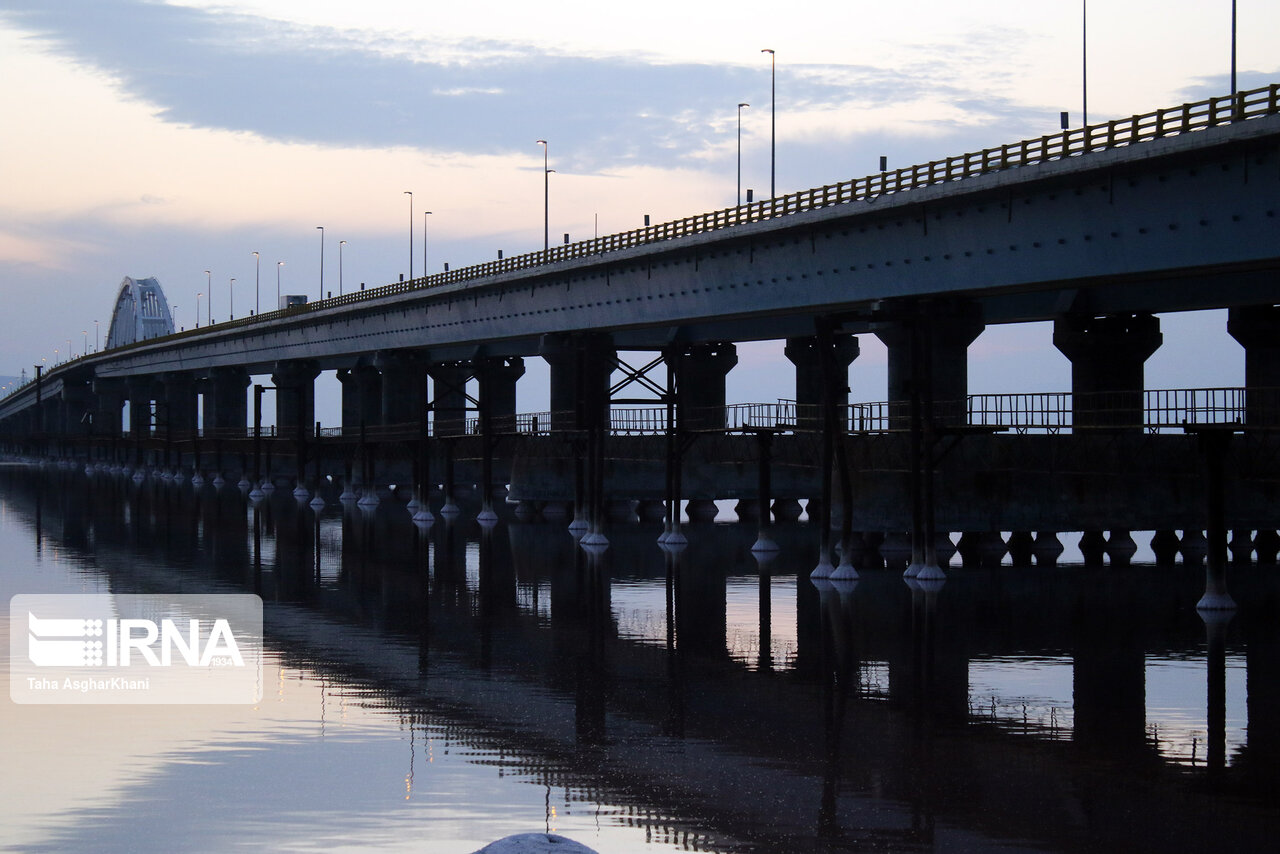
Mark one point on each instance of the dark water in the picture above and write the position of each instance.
(433, 691)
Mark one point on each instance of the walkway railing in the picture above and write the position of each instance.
(1162, 410)
(1172, 121)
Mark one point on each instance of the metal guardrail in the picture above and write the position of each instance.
(1145, 127)
(1034, 412)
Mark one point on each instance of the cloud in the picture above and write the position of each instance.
(352, 88)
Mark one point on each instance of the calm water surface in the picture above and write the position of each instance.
(436, 690)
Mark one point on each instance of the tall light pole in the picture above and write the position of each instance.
(1233, 47)
(321, 230)
(773, 120)
(425, 214)
(86, 343)
(209, 288)
(740, 106)
(232, 291)
(341, 243)
(257, 294)
(198, 295)
(97, 341)
(1084, 61)
(279, 264)
(546, 196)
(409, 193)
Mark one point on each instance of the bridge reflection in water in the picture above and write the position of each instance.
(701, 700)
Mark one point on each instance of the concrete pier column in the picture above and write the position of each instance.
(226, 406)
(1022, 546)
(449, 397)
(1093, 546)
(570, 386)
(1267, 545)
(1164, 545)
(1241, 545)
(295, 396)
(1121, 548)
(108, 416)
(361, 397)
(1048, 548)
(177, 415)
(700, 390)
(1107, 356)
(803, 353)
(77, 400)
(141, 393)
(940, 373)
(401, 386)
(498, 379)
(1257, 328)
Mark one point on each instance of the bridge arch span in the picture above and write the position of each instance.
(141, 311)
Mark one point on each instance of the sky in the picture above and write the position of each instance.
(153, 138)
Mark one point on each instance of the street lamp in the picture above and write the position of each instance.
(209, 287)
(257, 269)
(341, 243)
(321, 230)
(409, 193)
(773, 120)
(546, 196)
(279, 264)
(198, 309)
(425, 214)
(85, 332)
(97, 345)
(232, 291)
(1233, 48)
(1084, 61)
(740, 106)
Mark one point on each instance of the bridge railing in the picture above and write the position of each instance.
(1144, 127)
(1152, 410)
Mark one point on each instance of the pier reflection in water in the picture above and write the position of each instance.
(437, 688)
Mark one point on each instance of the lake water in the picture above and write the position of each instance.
(434, 691)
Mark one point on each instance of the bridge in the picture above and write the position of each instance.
(1097, 229)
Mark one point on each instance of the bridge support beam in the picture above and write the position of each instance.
(1257, 328)
(803, 353)
(1107, 356)
(581, 367)
(295, 396)
(700, 390)
(361, 397)
(226, 407)
(76, 402)
(111, 395)
(401, 386)
(941, 374)
(179, 414)
(498, 379)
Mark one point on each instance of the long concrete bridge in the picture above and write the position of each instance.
(1097, 229)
